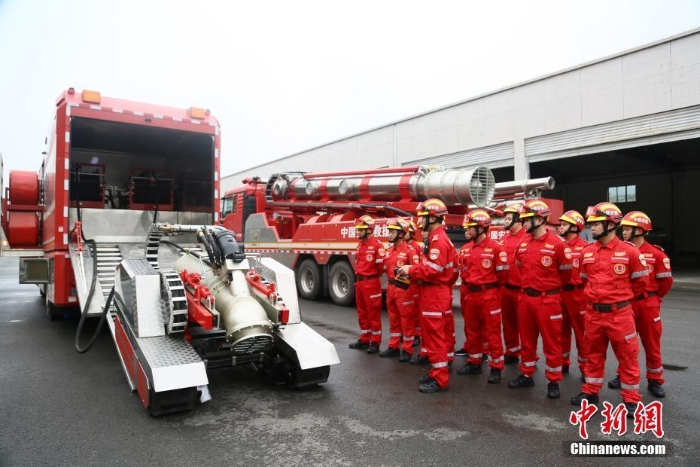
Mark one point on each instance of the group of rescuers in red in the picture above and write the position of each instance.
(532, 283)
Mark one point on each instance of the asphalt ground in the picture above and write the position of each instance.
(59, 408)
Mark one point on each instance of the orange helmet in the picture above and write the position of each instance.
(398, 224)
(364, 222)
(477, 218)
(637, 219)
(431, 207)
(574, 218)
(604, 212)
(535, 207)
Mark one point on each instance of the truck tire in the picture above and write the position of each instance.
(309, 280)
(53, 312)
(341, 284)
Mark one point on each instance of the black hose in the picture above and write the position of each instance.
(174, 244)
(91, 342)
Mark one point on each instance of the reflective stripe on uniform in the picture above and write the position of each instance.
(474, 355)
(407, 303)
(564, 267)
(581, 359)
(395, 334)
(375, 295)
(594, 380)
(406, 338)
(439, 365)
(655, 370)
(553, 370)
(433, 313)
(499, 359)
(529, 363)
(638, 274)
(437, 267)
(556, 317)
(629, 386)
(514, 349)
(495, 312)
(661, 275)
(631, 336)
(501, 268)
(376, 333)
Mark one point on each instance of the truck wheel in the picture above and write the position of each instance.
(341, 284)
(53, 312)
(309, 280)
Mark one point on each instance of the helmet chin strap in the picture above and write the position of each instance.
(606, 230)
(635, 234)
(533, 226)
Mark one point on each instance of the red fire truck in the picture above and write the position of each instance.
(123, 222)
(305, 220)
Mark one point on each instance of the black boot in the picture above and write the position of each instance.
(425, 379)
(521, 381)
(373, 348)
(470, 369)
(416, 341)
(390, 352)
(484, 357)
(418, 360)
(565, 369)
(510, 359)
(359, 345)
(430, 387)
(615, 383)
(591, 398)
(655, 388)
(404, 356)
(553, 390)
(631, 407)
(495, 376)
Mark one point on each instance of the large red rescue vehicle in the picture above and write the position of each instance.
(122, 222)
(305, 220)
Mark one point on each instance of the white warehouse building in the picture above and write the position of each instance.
(625, 128)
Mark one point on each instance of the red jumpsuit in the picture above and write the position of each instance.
(368, 289)
(647, 308)
(510, 295)
(614, 274)
(574, 307)
(437, 275)
(399, 301)
(544, 266)
(482, 267)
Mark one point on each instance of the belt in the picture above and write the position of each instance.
(420, 282)
(480, 288)
(512, 287)
(644, 295)
(537, 293)
(609, 307)
(400, 284)
(571, 287)
(365, 278)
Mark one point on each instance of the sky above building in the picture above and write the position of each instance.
(284, 76)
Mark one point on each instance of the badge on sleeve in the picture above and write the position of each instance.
(567, 253)
(434, 253)
(667, 263)
(503, 256)
(642, 260)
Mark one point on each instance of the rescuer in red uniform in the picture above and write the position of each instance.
(573, 299)
(647, 305)
(399, 297)
(545, 264)
(510, 291)
(437, 275)
(483, 265)
(418, 252)
(614, 273)
(368, 288)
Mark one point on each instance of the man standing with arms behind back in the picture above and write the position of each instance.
(368, 288)
(510, 292)
(614, 272)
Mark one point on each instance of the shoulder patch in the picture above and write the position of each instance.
(667, 263)
(642, 260)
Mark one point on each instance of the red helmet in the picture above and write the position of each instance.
(637, 219)
(574, 218)
(431, 207)
(477, 218)
(535, 207)
(398, 224)
(604, 212)
(364, 222)
(514, 208)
